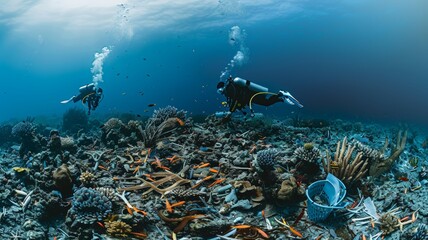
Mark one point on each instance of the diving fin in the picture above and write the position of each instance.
(67, 101)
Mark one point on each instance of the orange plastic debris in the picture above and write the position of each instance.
(242, 226)
(168, 206)
(218, 181)
(202, 165)
(136, 169)
(203, 180)
(178, 204)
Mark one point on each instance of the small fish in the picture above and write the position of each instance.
(141, 93)
(295, 232)
(151, 105)
(180, 122)
(261, 232)
(138, 115)
(144, 59)
(117, 74)
(146, 110)
(404, 179)
(224, 103)
(148, 75)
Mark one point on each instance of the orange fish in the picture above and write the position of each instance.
(180, 122)
(404, 179)
(261, 232)
(295, 232)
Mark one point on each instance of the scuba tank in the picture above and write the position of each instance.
(87, 88)
(252, 86)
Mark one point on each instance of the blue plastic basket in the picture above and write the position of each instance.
(332, 191)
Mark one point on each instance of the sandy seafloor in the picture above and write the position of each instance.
(172, 176)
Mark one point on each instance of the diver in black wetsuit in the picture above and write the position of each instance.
(89, 95)
(241, 93)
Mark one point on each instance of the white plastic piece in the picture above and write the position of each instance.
(370, 208)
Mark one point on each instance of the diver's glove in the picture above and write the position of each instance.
(289, 98)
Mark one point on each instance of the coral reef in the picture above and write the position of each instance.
(307, 158)
(25, 131)
(87, 179)
(118, 229)
(170, 177)
(162, 114)
(347, 170)
(266, 159)
(308, 153)
(421, 232)
(381, 165)
(89, 206)
(62, 179)
(74, 120)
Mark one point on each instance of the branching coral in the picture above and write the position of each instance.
(162, 114)
(342, 166)
(382, 165)
(154, 132)
(166, 177)
(379, 163)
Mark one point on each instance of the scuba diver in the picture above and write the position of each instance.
(89, 95)
(240, 93)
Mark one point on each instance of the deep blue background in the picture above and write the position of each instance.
(364, 61)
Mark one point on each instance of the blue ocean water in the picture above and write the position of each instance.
(355, 59)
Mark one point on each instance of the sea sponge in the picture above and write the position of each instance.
(266, 159)
(118, 229)
(288, 190)
(23, 129)
(67, 143)
(62, 179)
(89, 206)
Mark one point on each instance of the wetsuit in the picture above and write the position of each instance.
(239, 96)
